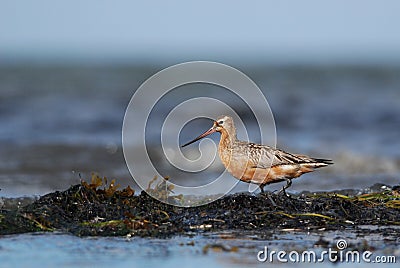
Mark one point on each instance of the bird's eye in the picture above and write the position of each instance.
(220, 122)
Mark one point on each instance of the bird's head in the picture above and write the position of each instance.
(223, 124)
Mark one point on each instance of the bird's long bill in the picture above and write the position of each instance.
(208, 132)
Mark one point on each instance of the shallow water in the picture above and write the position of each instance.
(61, 123)
(225, 249)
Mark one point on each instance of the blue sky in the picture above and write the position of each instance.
(311, 30)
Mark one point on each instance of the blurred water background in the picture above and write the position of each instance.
(60, 123)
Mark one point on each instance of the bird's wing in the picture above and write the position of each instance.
(263, 156)
(269, 157)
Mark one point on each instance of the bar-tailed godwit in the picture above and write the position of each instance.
(256, 163)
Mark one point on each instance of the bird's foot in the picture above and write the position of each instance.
(268, 195)
(283, 192)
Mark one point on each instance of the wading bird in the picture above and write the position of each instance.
(256, 163)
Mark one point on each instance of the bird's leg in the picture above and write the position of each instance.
(288, 184)
(261, 187)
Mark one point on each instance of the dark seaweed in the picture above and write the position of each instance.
(87, 210)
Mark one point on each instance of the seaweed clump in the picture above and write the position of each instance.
(99, 208)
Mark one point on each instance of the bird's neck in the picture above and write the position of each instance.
(227, 139)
